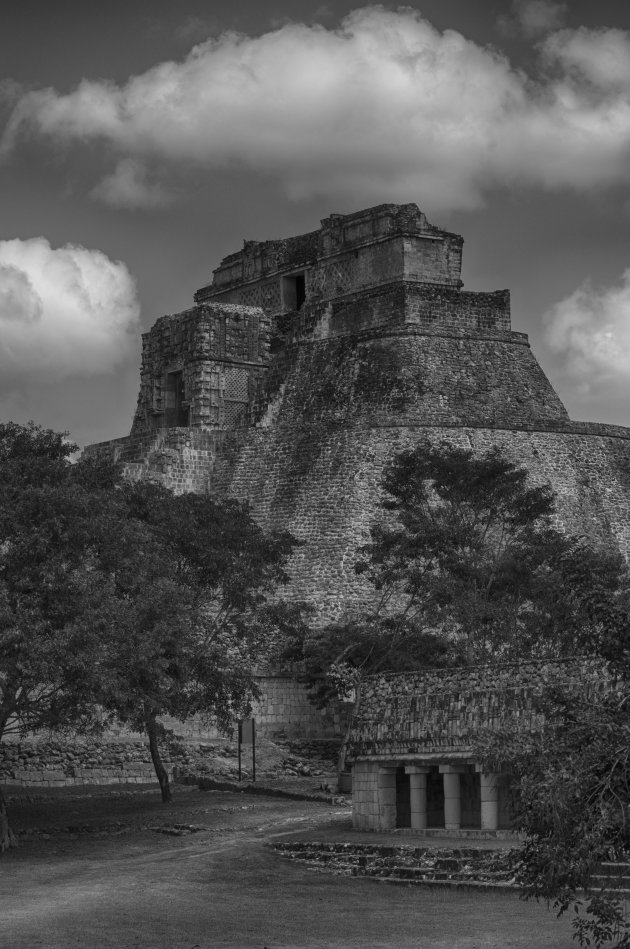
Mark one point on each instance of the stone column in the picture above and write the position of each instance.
(489, 801)
(452, 796)
(418, 792)
(387, 797)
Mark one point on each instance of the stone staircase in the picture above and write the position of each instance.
(473, 867)
(431, 866)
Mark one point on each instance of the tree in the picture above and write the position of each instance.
(572, 776)
(50, 512)
(125, 601)
(571, 783)
(465, 567)
(193, 609)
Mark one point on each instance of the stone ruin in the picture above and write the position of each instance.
(414, 741)
(308, 362)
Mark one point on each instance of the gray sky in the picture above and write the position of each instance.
(143, 142)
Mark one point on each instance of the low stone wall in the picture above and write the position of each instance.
(46, 763)
(49, 762)
(283, 713)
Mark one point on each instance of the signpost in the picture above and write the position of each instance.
(247, 736)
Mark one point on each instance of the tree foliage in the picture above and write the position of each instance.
(49, 518)
(465, 566)
(49, 579)
(572, 791)
(122, 600)
(192, 610)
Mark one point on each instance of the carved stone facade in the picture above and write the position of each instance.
(202, 369)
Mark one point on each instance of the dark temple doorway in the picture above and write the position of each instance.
(435, 799)
(176, 409)
(403, 798)
(294, 291)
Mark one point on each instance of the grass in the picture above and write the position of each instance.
(98, 874)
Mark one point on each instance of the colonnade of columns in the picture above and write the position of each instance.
(451, 776)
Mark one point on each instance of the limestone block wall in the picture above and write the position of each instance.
(179, 458)
(45, 762)
(321, 479)
(322, 482)
(436, 310)
(284, 709)
(410, 376)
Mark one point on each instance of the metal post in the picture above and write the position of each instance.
(240, 739)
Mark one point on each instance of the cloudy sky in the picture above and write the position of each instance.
(142, 142)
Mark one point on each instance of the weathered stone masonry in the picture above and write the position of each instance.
(413, 741)
(307, 363)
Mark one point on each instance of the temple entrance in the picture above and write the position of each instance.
(465, 783)
(470, 785)
(403, 798)
(293, 292)
(435, 799)
(176, 413)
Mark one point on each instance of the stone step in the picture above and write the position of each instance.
(424, 865)
(469, 853)
(430, 866)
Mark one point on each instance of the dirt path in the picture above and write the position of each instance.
(223, 886)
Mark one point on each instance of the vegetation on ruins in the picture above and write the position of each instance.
(469, 569)
(465, 567)
(124, 601)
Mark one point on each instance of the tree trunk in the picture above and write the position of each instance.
(341, 761)
(160, 770)
(7, 837)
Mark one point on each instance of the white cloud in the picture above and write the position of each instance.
(64, 312)
(128, 187)
(590, 330)
(601, 57)
(533, 18)
(384, 107)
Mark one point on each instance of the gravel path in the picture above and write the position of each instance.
(121, 870)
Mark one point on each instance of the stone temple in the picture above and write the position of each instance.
(301, 369)
(308, 362)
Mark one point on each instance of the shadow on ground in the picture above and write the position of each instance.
(116, 868)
